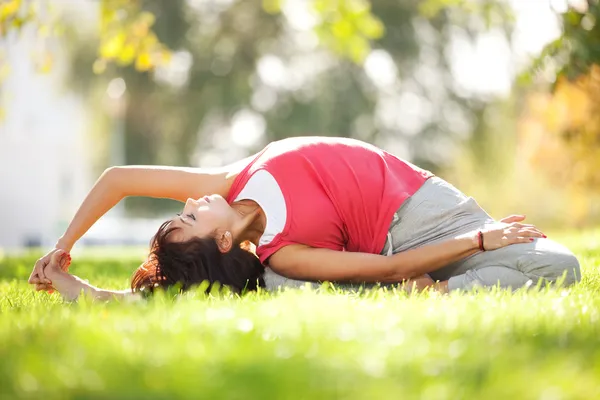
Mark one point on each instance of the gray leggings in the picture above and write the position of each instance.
(438, 212)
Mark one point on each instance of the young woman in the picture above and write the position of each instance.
(317, 209)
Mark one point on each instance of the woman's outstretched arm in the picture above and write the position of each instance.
(307, 263)
(116, 183)
(71, 287)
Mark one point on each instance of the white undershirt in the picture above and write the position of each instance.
(264, 190)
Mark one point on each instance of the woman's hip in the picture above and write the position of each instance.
(436, 212)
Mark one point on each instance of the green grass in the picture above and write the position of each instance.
(300, 344)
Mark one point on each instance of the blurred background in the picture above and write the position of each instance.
(501, 98)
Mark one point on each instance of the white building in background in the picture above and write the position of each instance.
(44, 165)
(46, 157)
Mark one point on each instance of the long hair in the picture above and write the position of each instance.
(194, 261)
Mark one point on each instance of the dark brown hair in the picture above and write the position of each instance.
(194, 261)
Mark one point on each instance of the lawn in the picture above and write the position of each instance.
(303, 344)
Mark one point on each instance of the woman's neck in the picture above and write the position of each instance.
(253, 221)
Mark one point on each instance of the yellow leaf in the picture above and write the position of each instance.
(371, 27)
(127, 55)
(111, 47)
(342, 29)
(271, 6)
(9, 9)
(149, 41)
(107, 15)
(143, 62)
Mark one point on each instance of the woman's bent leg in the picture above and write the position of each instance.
(487, 277)
(515, 265)
(439, 212)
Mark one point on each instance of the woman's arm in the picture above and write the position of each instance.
(308, 263)
(70, 286)
(303, 262)
(116, 183)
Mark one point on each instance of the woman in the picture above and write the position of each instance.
(319, 209)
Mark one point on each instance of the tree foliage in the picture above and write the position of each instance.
(560, 132)
(126, 37)
(570, 146)
(14, 14)
(194, 68)
(578, 48)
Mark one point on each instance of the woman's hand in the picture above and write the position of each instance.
(68, 285)
(58, 264)
(418, 284)
(71, 287)
(505, 234)
(38, 276)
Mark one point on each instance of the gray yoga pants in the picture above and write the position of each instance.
(439, 212)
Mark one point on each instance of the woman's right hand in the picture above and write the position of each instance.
(38, 276)
(67, 285)
(504, 234)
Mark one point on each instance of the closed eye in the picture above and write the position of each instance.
(191, 216)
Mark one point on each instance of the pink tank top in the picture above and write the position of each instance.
(340, 193)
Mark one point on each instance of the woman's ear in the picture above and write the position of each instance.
(224, 240)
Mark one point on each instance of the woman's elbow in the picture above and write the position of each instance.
(111, 172)
(113, 180)
(396, 273)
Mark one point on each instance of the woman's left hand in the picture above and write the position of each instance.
(57, 266)
(418, 283)
(57, 257)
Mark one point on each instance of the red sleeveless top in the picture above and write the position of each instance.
(340, 193)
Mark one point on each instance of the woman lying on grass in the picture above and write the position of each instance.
(318, 209)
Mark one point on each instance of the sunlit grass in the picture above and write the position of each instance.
(301, 344)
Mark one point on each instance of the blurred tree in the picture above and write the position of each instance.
(241, 73)
(578, 48)
(561, 131)
(126, 36)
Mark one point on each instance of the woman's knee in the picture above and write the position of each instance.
(559, 266)
(568, 269)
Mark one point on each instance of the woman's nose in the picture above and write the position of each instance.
(191, 202)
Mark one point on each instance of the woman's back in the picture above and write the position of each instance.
(340, 193)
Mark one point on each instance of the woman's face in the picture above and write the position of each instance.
(202, 218)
